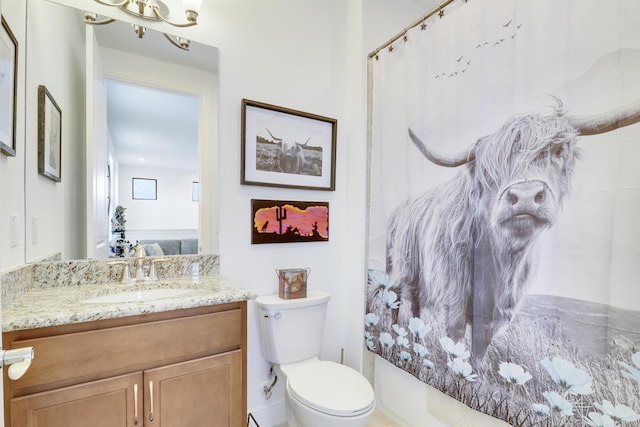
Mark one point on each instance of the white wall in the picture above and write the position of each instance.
(3, 239)
(172, 210)
(12, 168)
(59, 66)
(58, 63)
(275, 53)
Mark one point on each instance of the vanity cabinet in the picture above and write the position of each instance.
(104, 403)
(179, 368)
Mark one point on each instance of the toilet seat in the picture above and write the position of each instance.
(331, 388)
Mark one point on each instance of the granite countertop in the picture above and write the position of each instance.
(55, 306)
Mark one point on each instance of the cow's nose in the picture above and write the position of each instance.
(526, 194)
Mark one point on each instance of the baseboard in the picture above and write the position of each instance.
(269, 416)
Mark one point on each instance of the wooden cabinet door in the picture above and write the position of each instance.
(198, 393)
(104, 403)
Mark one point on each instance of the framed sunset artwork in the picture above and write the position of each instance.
(275, 221)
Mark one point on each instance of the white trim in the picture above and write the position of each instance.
(139, 234)
(270, 416)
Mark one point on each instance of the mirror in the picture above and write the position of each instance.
(72, 217)
(152, 165)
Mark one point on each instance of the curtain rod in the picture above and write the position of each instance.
(429, 14)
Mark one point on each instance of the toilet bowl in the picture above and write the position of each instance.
(317, 393)
(327, 394)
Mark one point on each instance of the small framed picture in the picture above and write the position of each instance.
(287, 148)
(49, 136)
(277, 221)
(195, 191)
(8, 89)
(144, 189)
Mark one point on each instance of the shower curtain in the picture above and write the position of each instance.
(504, 245)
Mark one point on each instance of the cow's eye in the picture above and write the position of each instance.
(543, 155)
(558, 151)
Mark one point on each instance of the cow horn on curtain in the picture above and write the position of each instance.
(506, 275)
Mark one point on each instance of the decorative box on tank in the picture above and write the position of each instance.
(292, 282)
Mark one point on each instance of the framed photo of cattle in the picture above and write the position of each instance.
(282, 147)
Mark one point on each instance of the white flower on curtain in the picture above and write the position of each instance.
(618, 412)
(514, 373)
(597, 419)
(567, 376)
(558, 403)
(632, 372)
(454, 350)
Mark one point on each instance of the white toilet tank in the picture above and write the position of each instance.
(292, 329)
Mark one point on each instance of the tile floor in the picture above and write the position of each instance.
(381, 420)
(378, 420)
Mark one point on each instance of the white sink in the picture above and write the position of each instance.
(134, 296)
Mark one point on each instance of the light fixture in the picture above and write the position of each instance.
(151, 10)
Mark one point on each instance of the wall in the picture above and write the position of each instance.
(290, 60)
(60, 67)
(57, 63)
(11, 176)
(2, 238)
(12, 168)
(173, 209)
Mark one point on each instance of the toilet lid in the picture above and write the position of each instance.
(331, 388)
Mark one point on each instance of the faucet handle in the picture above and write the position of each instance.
(126, 273)
(152, 269)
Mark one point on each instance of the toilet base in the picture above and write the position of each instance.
(300, 415)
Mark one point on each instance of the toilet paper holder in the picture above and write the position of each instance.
(18, 360)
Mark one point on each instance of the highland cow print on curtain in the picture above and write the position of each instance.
(504, 235)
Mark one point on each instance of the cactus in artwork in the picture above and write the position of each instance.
(281, 215)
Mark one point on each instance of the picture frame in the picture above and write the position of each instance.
(288, 148)
(49, 136)
(8, 89)
(277, 221)
(144, 189)
(195, 191)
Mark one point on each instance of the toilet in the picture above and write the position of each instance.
(317, 393)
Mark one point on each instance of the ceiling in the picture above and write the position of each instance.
(147, 123)
(151, 127)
